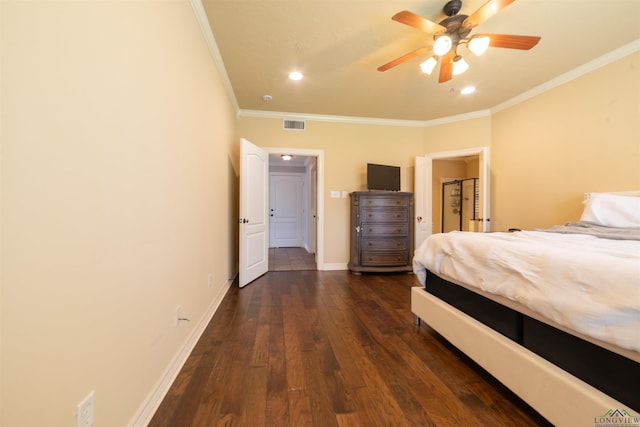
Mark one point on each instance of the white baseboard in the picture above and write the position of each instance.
(333, 266)
(149, 406)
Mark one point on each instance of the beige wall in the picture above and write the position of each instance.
(548, 151)
(347, 149)
(579, 137)
(458, 135)
(120, 189)
(116, 154)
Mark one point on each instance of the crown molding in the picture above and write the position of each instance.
(329, 118)
(203, 22)
(580, 71)
(458, 118)
(361, 120)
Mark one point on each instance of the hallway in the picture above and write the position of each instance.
(291, 259)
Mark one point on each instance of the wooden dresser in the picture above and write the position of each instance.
(381, 238)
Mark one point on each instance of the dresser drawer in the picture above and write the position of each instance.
(385, 258)
(385, 229)
(400, 244)
(384, 201)
(384, 215)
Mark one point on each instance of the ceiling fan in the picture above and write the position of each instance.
(452, 32)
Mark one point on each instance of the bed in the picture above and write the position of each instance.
(553, 314)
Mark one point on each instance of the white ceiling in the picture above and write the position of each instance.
(338, 44)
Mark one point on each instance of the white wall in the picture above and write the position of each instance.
(118, 188)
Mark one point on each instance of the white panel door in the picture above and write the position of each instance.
(286, 211)
(254, 219)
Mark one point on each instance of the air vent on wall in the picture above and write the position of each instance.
(293, 124)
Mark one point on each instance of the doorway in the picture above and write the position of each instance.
(426, 188)
(254, 211)
(459, 205)
(295, 201)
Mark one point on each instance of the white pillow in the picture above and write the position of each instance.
(612, 210)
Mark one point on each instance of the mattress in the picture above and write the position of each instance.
(580, 282)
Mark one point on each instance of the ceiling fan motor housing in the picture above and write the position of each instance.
(452, 7)
(454, 28)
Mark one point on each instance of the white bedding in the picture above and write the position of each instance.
(582, 282)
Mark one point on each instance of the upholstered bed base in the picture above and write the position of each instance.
(560, 397)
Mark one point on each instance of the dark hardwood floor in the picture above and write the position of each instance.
(328, 348)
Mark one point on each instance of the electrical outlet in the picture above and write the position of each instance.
(178, 315)
(84, 412)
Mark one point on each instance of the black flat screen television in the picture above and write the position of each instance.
(383, 177)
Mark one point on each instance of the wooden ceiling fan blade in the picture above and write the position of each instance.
(485, 12)
(416, 21)
(512, 42)
(404, 58)
(446, 67)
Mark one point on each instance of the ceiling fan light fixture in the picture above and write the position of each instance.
(428, 65)
(478, 44)
(442, 45)
(459, 65)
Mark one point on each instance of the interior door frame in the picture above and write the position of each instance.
(313, 209)
(423, 187)
(319, 155)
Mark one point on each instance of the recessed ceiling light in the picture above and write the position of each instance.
(286, 157)
(295, 75)
(467, 90)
